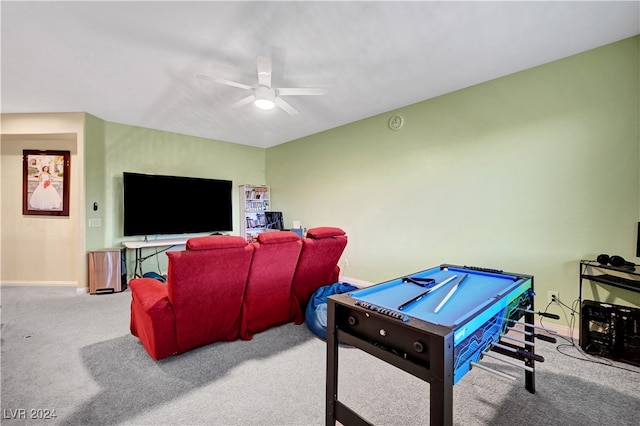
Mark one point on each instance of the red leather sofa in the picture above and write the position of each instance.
(221, 288)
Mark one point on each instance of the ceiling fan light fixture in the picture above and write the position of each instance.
(264, 103)
(265, 97)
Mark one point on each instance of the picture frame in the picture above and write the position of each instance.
(45, 182)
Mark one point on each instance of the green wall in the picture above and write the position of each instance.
(528, 173)
(112, 149)
(94, 180)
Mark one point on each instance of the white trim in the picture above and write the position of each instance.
(356, 282)
(7, 283)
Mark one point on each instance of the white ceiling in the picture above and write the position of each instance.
(135, 62)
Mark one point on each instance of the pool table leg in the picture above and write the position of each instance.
(441, 403)
(332, 366)
(530, 376)
(441, 387)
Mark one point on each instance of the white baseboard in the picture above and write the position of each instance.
(79, 290)
(356, 282)
(7, 283)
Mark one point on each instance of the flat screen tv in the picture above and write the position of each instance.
(162, 205)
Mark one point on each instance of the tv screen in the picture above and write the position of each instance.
(156, 204)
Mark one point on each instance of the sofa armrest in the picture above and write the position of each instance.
(151, 294)
(152, 318)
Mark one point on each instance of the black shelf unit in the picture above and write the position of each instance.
(608, 330)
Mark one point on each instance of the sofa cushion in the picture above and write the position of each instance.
(324, 232)
(277, 237)
(215, 242)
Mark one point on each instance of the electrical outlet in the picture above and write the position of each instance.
(553, 296)
(346, 262)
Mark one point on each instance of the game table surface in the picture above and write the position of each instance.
(478, 290)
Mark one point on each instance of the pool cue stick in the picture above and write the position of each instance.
(536, 335)
(451, 292)
(421, 295)
(507, 361)
(519, 351)
(491, 370)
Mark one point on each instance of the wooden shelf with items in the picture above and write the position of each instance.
(254, 202)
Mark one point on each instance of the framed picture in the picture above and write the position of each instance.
(45, 182)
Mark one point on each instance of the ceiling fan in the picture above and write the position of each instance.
(263, 95)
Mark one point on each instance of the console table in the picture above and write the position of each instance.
(139, 245)
(627, 278)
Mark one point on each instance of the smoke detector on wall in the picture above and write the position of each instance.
(396, 122)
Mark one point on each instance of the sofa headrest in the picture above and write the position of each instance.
(277, 237)
(324, 232)
(215, 242)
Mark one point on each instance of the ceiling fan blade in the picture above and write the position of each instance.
(285, 106)
(242, 102)
(225, 81)
(264, 71)
(295, 91)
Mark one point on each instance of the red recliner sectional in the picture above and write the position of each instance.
(221, 288)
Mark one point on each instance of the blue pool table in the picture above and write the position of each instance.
(435, 324)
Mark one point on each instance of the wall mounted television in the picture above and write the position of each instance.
(162, 205)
